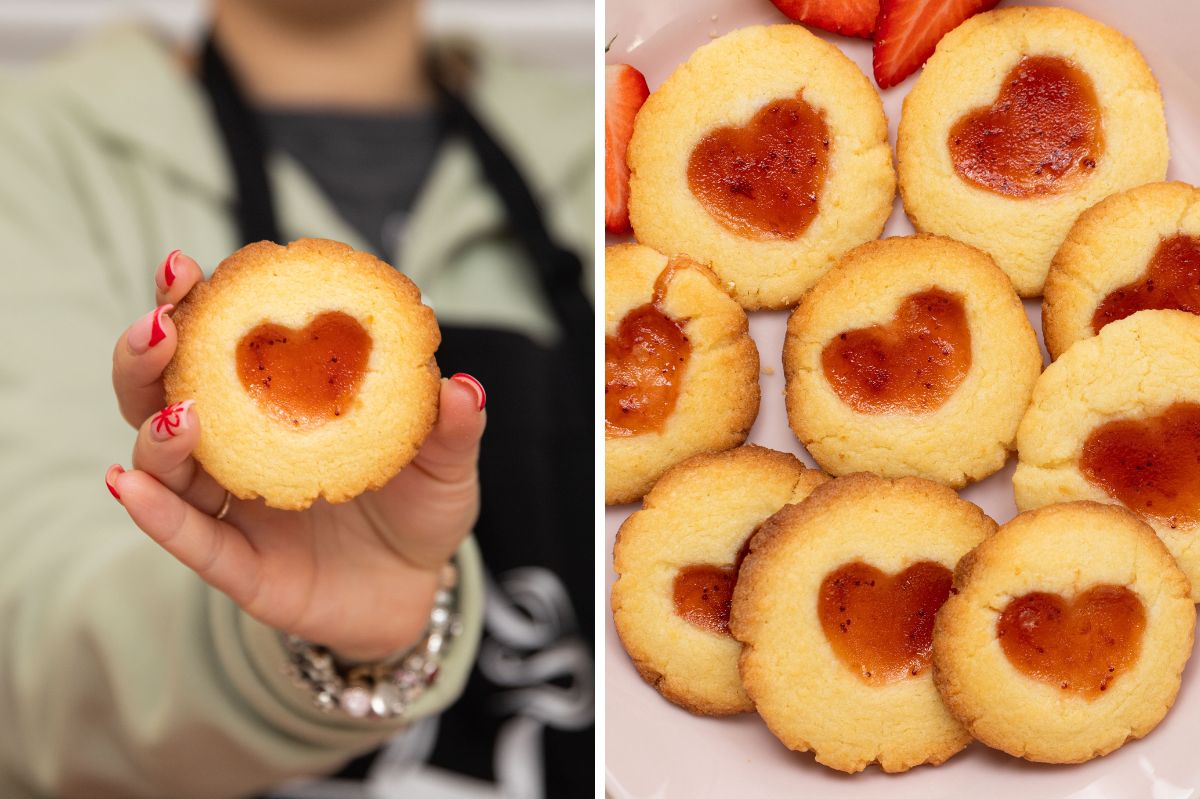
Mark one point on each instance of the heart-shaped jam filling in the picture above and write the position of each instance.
(1151, 465)
(1043, 135)
(305, 377)
(704, 592)
(881, 626)
(910, 365)
(1079, 646)
(643, 364)
(1172, 281)
(764, 180)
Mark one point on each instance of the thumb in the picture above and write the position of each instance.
(451, 451)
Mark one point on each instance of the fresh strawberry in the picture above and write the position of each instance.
(624, 92)
(907, 32)
(847, 17)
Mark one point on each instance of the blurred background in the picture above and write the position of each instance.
(557, 33)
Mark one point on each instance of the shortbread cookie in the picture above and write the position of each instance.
(677, 561)
(1117, 419)
(1066, 634)
(764, 156)
(913, 356)
(680, 368)
(1020, 120)
(1134, 251)
(312, 367)
(835, 606)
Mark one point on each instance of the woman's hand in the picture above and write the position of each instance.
(358, 577)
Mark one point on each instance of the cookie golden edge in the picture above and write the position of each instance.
(180, 375)
(1069, 300)
(842, 456)
(919, 104)
(672, 220)
(640, 653)
(633, 464)
(849, 489)
(955, 615)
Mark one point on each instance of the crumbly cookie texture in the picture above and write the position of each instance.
(1135, 368)
(724, 84)
(1064, 549)
(809, 699)
(719, 394)
(255, 454)
(970, 435)
(965, 73)
(1107, 248)
(700, 512)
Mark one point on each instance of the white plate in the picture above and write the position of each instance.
(654, 749)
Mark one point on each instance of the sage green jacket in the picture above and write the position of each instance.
(121, 673)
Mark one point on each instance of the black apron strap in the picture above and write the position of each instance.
(255, 205)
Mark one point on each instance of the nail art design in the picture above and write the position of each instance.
(467, 379)
(110, 479)
(170, 421)
(157, 333)
(168, 268)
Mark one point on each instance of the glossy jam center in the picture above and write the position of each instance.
(764, 180)
(881, 626)
(910, 365)
(1151, 465)
(644, 363)
(1172, 280)
(704, 592)
(1042, 135)
(1080, 646)
(305, 377)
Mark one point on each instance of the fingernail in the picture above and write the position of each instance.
(475, 385)
(148, 330)
(110, 479)
(167, 270)
(170, 421)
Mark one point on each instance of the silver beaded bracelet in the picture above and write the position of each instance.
(384, 689)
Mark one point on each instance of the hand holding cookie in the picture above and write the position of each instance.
(358, 576)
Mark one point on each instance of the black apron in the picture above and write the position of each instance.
(537, 461)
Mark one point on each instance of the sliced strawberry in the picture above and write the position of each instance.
(907, 32)
(624, 92)
(847, 17)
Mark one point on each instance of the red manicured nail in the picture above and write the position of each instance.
(148, 331)
(170, 421)
(475, 385)
(110, 480)
(168, 268)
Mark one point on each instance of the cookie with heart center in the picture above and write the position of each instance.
(312, 367)
(1117, 419)
(1134, 251)
(1021, 120)
(913, 356)
(765, 157)
(835, 607)
(1065, 635)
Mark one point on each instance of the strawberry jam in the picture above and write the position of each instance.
(879, 625)
(1171, 281)
(305, 377)
(909, 365)
(1151, 465)
(764, 180)
(643, 364)
(1079, 646)
(704, 592)
(1043, 135)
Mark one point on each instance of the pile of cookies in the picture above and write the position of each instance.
(867, 612)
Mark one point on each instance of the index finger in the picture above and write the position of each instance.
(175, 276)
